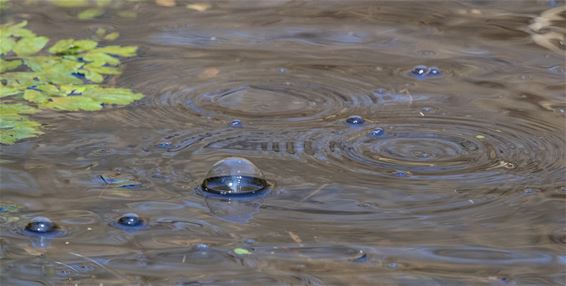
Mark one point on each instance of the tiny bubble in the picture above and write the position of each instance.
(393, 266)
(355, 120)
(130, 220)
(164, 145)
(377, 132)
(434, 71)
(379, 91)
(419, 71)
(236, 123)
(201, 246)
(401, 174)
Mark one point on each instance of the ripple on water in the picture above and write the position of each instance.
(463, 150)
(257, 95)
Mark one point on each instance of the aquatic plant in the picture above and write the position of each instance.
(66, 78)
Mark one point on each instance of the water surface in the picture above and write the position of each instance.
(463, 185)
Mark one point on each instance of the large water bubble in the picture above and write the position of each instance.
(130, 220)
(234, 176)
(41, 225)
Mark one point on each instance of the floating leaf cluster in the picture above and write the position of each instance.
(67, 78)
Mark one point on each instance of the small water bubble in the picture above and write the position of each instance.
(504, 280)
(355, 120)
(531, 191)
(557, 69)
(164, 145)
(362, 258)
(379, 91)
(401, 174)
(469, 145)
(393, 266)
(427, 109)
(376, 132)
(236, 123)
(422, 155)
(507, 165)
(419, 71)
(130, 220)
(201, 246)
(41, 225)
(433, 72)
(234, 176)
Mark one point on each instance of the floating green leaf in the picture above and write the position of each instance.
(100, 59)
(68, 79)
(15, 30)
(16, 109)
(14, 125)
(8, 91)
(128, 51)
(90, 14)
(72, 46)
(120, 96)
(35, 96)
(6, 44)
(73, 103)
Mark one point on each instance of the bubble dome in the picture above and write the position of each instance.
(234, 176)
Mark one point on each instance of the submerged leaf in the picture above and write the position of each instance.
(9, 65)
(112, 36)
(90, 14)
(70, 3)
(127, 14)
(100, 32)
(103, 3)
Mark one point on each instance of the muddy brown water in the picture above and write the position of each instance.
(464, 184)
